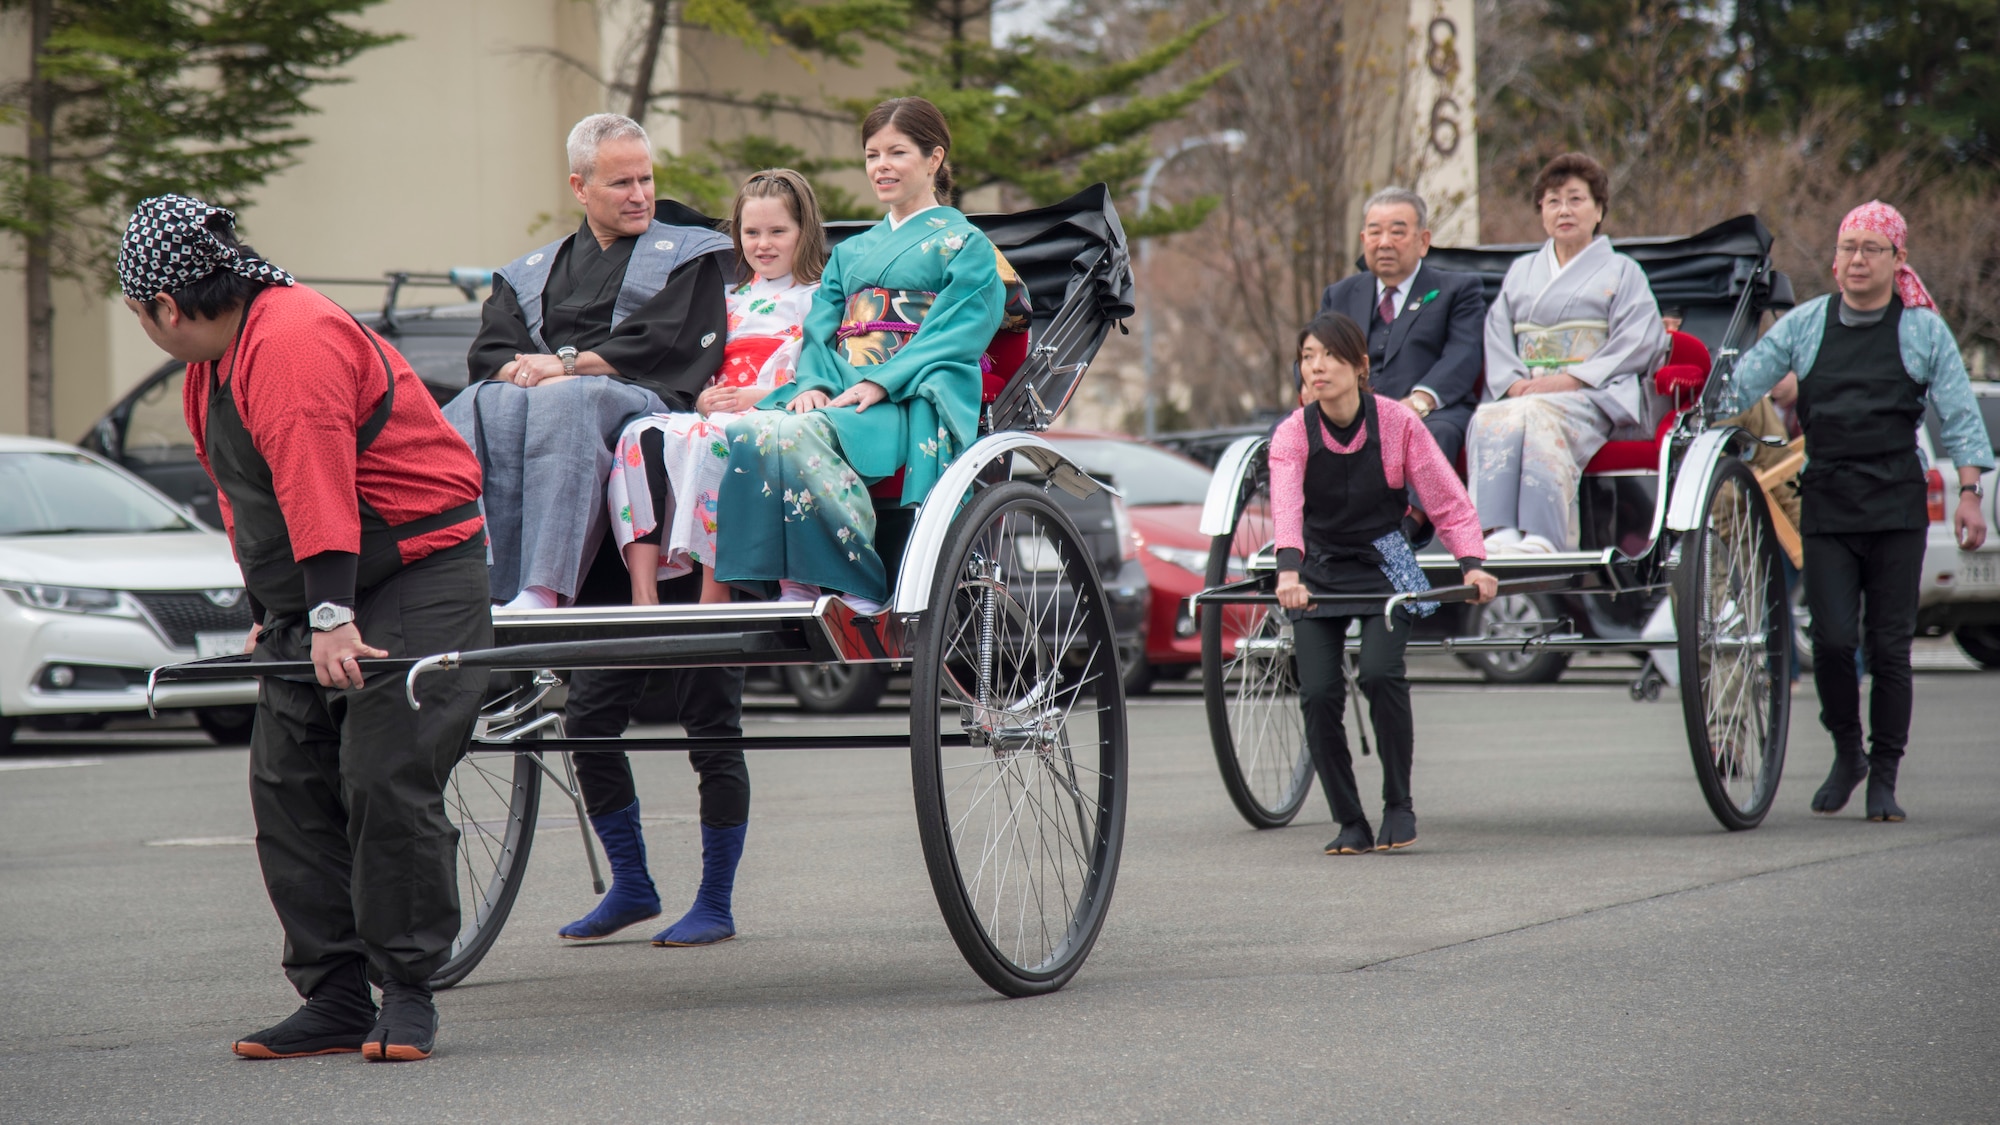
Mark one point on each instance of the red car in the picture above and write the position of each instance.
(1163, 493)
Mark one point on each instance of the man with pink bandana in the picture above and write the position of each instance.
(1868, 357)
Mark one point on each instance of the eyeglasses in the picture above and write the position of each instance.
(1850, 250)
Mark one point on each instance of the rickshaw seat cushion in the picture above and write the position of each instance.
(1624, 456)
(1677, 378)
(1681, 379)
(1004, 357)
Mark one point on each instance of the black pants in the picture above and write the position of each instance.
(1321, 644)
(711, 705)
(347, 786)
(1856, 583)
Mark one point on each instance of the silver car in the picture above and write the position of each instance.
(1961, 589)
(102, 579)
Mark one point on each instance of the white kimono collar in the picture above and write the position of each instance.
(897, 224)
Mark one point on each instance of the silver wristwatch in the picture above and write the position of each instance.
(326, 617)
(568, 356)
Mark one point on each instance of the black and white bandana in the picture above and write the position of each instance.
(170, 244)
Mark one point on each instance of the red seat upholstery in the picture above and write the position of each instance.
(1680, 379)
(1004, 356)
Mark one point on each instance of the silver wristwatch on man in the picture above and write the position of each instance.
(326, 617)
(568, 356)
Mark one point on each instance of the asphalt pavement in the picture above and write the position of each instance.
(1573, 938)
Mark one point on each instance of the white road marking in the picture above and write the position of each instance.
(48, 763)
(202, 842)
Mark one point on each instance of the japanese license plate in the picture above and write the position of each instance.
(219, 644)
(1982, 569)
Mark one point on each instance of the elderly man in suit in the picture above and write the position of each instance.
(1424, 325)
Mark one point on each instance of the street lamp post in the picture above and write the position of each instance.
(1231, 139)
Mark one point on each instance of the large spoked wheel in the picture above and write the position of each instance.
(1735, 627)
(1250, 680)
(492, 799)
(1022, 828)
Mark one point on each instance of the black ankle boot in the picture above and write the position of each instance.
(1882, 789)
(1848, 770)
(334, 1020)
(1354, 839)
(407, 1029)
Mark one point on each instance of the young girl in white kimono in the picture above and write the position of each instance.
(1571, 343)
(668, 467)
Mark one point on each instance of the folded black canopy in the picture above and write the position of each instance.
(1699, 270)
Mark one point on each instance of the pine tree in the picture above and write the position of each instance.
(1048, 117)
(130, 98)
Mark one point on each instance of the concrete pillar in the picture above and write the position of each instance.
(1414, 79)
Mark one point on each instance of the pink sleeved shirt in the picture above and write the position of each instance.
(1408, 452)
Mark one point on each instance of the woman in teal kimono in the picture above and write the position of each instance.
(889, 379)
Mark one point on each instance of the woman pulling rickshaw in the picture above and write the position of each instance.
(1342, 470)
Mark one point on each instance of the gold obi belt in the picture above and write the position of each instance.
(1548, 349)
(878, 322)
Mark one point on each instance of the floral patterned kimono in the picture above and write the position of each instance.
(668, 468)
(911, 308)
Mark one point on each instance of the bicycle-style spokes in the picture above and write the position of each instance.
(1019, 659)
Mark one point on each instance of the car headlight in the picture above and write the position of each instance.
(1186, 558)
(70, 599)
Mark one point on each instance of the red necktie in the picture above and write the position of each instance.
(1387, 309)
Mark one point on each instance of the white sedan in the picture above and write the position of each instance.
(102, 578)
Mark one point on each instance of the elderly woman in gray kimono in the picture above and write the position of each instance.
(1570, 342)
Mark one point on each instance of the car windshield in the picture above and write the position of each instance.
(68, 493)
(1146, 475)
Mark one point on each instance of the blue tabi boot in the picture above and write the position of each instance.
(632, 896)
(709, 920)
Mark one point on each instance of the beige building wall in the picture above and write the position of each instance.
(444, 150)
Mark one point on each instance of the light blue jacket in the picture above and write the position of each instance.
(1930, 355)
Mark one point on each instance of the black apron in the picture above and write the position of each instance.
(1348, 506)
(1860, 410)
(262, 539)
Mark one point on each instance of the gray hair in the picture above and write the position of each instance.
(1388, 196)
(592, 132)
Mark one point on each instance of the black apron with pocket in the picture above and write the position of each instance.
(1860, 410)
(262, 538)
(1348, 506)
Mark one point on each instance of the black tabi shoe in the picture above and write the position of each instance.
(1882, 791)
(334, 1020)
(1399, 829)
(407, 1030)
(1848, 771)
(1354, 839)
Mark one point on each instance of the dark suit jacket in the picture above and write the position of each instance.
(1436, 342)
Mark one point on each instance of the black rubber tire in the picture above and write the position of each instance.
(1734, 624)
(1269, 788)
(494, 798)
(1062, 740)
(1981, 643)
(228, 726)
(1520, 611)
(829, 689)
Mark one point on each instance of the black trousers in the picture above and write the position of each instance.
(1321, 643)
(1862, 587)
(347, 786)
(711, 705)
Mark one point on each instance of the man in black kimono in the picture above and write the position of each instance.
(622, 318)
